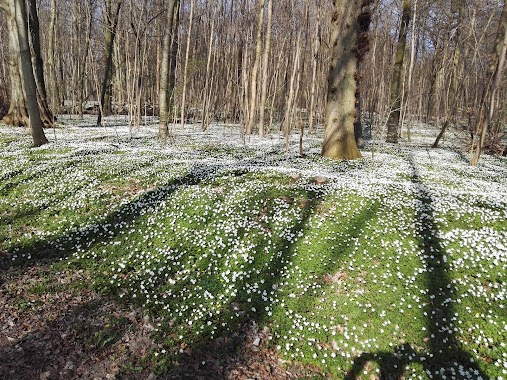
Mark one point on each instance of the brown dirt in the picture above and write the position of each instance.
(52, 326)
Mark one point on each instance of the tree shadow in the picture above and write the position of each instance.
(91, 338)
(445, 355)
(228, 345)
(9, 175)
(235, 351)
(29, 211)
(87, 236)
(232, 347)
(9, 185)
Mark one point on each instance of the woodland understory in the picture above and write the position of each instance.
(255, 189)
(214, 257)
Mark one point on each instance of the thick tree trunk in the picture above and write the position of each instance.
(348, 31)
(111, 19)
(166, 86)
(38, 65)
(17, 114)
(18, 9)
(393, 121)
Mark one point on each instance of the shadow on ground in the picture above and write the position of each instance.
(82, 336)
(445, 357)
(77, 337)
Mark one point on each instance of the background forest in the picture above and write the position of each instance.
(262, 64)
(189, 206)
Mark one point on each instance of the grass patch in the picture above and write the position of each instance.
(386, 269)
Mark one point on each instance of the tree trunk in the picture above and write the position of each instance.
(209, 73)
(17, 114)
(17, 9)
(38, 65)
(393, 121)
(316, 48)
(265, 63)
(56, 102)
(410, 70)
(452, 96)
(358, 126)
(488, 101)
(185, 71)
(292, 96)
(111, 20)
(166, 87)
(255, 70)
(174, 58)
(349, 26)
(83, 66)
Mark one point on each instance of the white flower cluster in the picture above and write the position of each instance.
(401, 256)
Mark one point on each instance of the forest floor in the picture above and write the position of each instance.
(212, 256)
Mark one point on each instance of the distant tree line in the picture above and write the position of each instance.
(265, 65)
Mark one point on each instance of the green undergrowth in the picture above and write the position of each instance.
(400, 277)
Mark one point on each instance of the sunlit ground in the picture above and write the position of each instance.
(392, 265)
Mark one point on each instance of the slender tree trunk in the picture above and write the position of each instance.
(244, 95)
(358, 125)
(410, 70)
(166, 87)
(452, 97)
(206, 97)
(185, 71)
(255, 70)
(209, 94)
(111, 20)
(316, 48)
(289, 109)
(56, 101)
(393, 121)
(82, 64)
(347, 28)
(488, 101)
(174, 57)
(265, 63)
